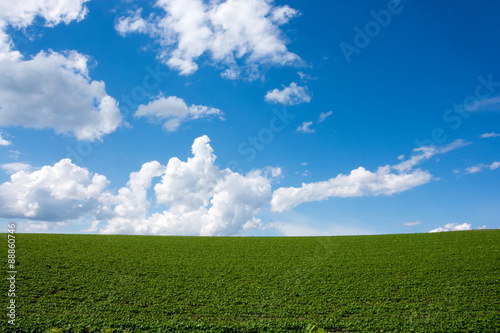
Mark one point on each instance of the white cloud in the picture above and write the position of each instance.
(132, 23)
(360, 182)
(411, 224)
(4, 142)
(426, 152)
(489, 104)
(305, 77)
(24, 12)
(12, 168)
(324, 115)
(306, 127)
(51, 90)
(490, 135)
(174, 111)
(453, 227)
(53, 193)
(291, 95)
(452, 146)
(194, 197)
(201, 199)
(235, 34)
(481, 167)
(387, 180)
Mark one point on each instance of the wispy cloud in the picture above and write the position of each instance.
(324, 115)
(489, 104)
(426, 152)
(481, 167)
(12, 168)
(452, 146)
(411, 224)
(489, 135)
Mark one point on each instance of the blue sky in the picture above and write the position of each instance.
(249, 117)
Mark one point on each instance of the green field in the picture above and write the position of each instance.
(443, 282)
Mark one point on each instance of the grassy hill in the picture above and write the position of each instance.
(447, 282)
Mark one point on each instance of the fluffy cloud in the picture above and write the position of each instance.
(201, 199)
(4, 142)
(53, 193)
(481, 167)
(174, 111)
(453, 227)
(235, 34)
(24, 12)
(306, 127)
(51, 90)
(194, 197)
(291, 95)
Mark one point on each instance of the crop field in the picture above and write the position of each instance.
(442, 282)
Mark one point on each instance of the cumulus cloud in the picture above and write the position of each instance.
(51, 90)
(490, 135)
(453, 227)
(174, 111)
(200, 198)
(481, 167)
(234, 34)
(306, 127)
(291, 95)
(193, 197)
(53, 193)
(324, 115)
(4, 142)
(24, 12)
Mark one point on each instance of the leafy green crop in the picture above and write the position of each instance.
(442, 282)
